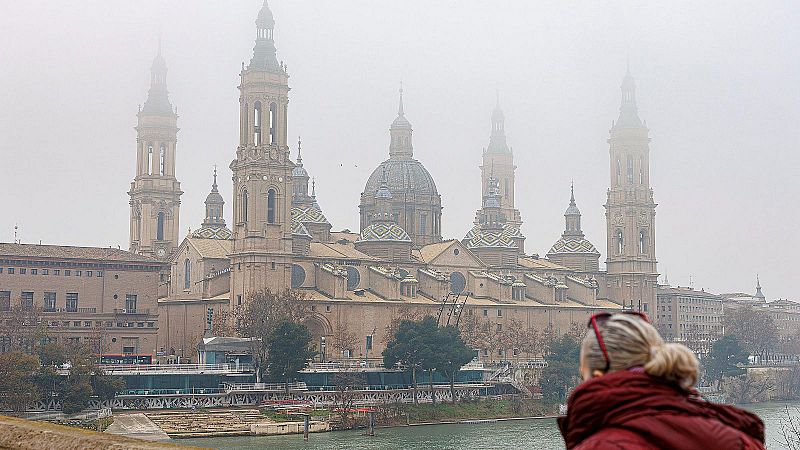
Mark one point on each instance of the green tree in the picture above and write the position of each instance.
(18, 388)
(451, 353)
(289, 351)
(721, 362)
(412, 346)
(562, 371)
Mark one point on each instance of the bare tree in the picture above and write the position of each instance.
(790, 429)
(748, 388)
(403, 313)
(347, 385)
(262, 312)
(23, 328)
(343, 338)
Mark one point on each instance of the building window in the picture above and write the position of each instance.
(239, 299)
(162, 160)
(257, 123)
(11, 271)
(26, 300)
(130, 303)
(620, 242)
(499, 327)
(150, 159)
(78, 273)
(5, 300)
(641, 171)
(160, 227)
(244, 206)
(187, 274)
(273, 123)
(89, 273)
(49, 303)
(485, 313)
(619, 171)
(72, 302)
(44, 271)
(499, 313)
(56, 271)
(34, 271)
(630, 169)
(423, 224)
(271, 206)
(99, 273)
(23, 271)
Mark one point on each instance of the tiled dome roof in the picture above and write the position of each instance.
(207, 232)
(308, 214)
(403, 176)
(573, 244)
(488, 239)
(385, 231)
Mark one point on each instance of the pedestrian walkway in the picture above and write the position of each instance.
(136, 426)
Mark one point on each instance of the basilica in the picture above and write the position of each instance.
(398, 264)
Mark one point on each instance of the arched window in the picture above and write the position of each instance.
(642, 241)
(162, 160)
(187, 274)
(641, 171)
(273, 123)
(630, 169)
(271, 206)
(160, 227)
(244, 205)
(620, 242)
(619, 171)
(150, 159)
(257, 123)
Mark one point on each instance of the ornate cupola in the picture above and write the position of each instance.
(415, 199)
(305, 209)
(264, 53)
(489, 240)
(573, 250)
(384, 238)
(214, 224)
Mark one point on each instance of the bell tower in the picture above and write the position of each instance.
(630, 209)
(498, 164)
(262, 172)
(155, 194)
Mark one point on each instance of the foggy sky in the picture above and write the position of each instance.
(717, 83)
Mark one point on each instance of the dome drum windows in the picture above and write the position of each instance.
(643, 242)
(273, 123)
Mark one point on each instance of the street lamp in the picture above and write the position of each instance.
(322, 349)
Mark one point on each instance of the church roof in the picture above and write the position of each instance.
(403, 176)
(211, 248)
(509, 230)
(384, 231)
(71, 252)
(573, 244)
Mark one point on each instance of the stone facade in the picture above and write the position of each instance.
(103, 297)
(693, 318)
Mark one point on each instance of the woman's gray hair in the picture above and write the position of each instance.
(630, 342)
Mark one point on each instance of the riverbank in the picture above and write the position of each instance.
(462, 412)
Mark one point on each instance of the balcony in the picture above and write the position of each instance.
(132, 312)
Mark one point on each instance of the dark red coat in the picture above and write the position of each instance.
(632, 410)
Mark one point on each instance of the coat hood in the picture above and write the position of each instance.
(658, 411)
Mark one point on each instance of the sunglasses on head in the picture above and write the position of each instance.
(601, 318)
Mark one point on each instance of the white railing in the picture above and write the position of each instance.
(347, 365)
(119, 369)
(274, 387)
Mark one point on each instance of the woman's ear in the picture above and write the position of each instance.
(597, 373)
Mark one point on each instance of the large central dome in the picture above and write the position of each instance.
(404, 177)
(414, 203)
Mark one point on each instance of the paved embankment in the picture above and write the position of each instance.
(137, 426)
(25, 434)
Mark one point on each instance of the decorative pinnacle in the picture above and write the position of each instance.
(299, 145)
(214, 186)
(314, 187)
(572, 194)
(400, 111)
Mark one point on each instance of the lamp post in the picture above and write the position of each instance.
(322, 349)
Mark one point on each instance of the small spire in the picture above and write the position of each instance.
(314, 187)
(299, 145)
(214, 186)
(572, 194)
(666, 278)
(400, 111)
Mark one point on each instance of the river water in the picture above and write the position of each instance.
(534, 433)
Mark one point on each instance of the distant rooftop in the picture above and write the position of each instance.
(73, 253)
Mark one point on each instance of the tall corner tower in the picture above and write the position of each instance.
(498, 164)
(155, 194)
(630, 209)
(262, 172)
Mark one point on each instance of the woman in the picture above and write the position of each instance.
(637, 394)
